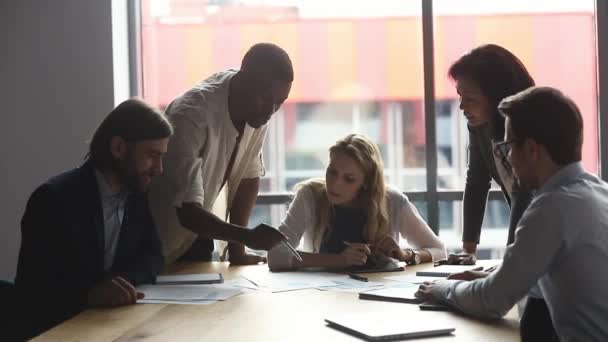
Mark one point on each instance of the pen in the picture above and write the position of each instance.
(440, 262)
(357, 277)
(292, 250)
(491, 269)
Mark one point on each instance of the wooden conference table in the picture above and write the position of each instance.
(260, 316)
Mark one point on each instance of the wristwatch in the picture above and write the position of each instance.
(415, 260)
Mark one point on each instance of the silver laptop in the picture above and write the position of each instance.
(385, 328)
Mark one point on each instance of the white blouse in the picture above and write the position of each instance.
(403, 217)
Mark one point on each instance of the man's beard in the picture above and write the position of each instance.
(125, 170)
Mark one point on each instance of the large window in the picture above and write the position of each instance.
(556, 42)
(359, 67)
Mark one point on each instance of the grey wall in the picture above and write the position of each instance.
(55, 87)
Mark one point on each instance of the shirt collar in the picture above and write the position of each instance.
(104, 188)
(562, 176)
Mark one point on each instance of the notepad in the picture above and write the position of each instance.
(378, 263)
(446, 270)
(393, 294)
(387, 327)
(190, 279)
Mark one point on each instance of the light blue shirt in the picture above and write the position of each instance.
(113, 204)
(561, 242)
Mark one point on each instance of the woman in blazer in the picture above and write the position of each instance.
(484, 77)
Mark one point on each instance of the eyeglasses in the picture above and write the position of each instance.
(501, 150)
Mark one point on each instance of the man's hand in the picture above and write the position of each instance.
(468, 275)
(425, 292)
(462, 258)
(466, 257)
(264, 237)
(355, 254)
(390, 248)
(113, 292)
(246, 259)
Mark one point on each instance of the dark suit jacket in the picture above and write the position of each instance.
(62, 247)
(480, 172)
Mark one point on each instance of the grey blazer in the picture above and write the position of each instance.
(480, 172)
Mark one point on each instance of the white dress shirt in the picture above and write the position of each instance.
(113, 209)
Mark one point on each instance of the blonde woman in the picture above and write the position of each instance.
(351, 214)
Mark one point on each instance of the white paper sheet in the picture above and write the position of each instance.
(187, 292)
(412, 279)
(290, 281)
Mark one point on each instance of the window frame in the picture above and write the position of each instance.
(432, 195)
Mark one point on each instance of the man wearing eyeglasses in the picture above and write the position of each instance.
(220, 127)
(561, 242)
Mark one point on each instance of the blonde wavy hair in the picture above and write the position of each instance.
(372, 194)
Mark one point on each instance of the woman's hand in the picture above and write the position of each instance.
(390, 248)
(355, 254)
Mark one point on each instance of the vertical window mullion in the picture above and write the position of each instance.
(135, 48)
(429, 112)
(601, 17)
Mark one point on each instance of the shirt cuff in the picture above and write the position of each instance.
(436, 253)
(441, 289)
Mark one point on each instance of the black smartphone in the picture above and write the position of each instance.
(434, 307)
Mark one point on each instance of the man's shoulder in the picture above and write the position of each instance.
(577, 195)
(203, 102)
(71, 182)
(210, 88)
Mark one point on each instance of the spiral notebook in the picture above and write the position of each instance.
(387, 328)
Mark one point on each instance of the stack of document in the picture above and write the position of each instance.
(185, 294)
(190, 279)
(446, 270)
(405, 294)
(188, 289)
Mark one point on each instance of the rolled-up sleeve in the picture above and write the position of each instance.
(294, 224)
(255, 169)
(418, 234)
(183, 164)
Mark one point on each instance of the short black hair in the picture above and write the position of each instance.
(497, 72)
(550, 118)
(133, 120)
(268, 60)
